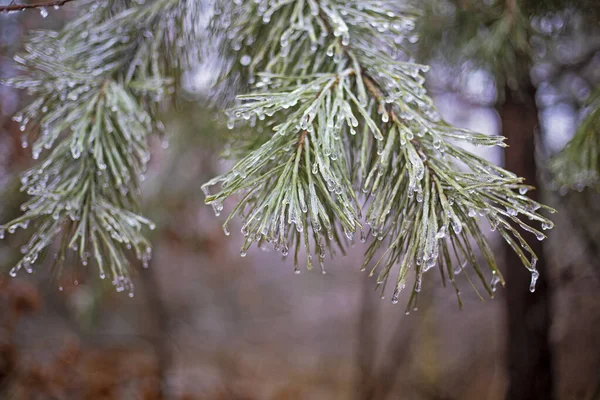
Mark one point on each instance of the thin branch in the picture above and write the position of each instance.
(23, 7)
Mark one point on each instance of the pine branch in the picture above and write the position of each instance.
(578, 165)
(330, 76)
(504, 49)
(96, 87)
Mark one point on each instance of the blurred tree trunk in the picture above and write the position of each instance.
(367, 339)
(529, 354)
(160, 337)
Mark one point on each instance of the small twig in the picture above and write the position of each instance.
(23, 7)
(302, 138)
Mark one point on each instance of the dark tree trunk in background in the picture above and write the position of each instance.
(367, 339)
(160, 337)
(529, 355)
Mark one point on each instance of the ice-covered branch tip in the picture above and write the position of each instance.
(335, 79)
(42, 6)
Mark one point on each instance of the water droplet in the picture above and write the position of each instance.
(534, 277)
(430, 263)
(494, 282)
(43, 12)
(547, 225)
(363, 236)
(245, 60)
(396, 295)
(540, 236)
(349, 234)
(419, 197)
(457, 227)
(442, 233)
(322, 265)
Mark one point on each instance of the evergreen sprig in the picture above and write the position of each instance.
(578, 165)
(346, 109)
(96, 87)
(494, 34)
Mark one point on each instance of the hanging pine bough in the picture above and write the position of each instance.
(340, 110)
(96, 87)
(578, 165)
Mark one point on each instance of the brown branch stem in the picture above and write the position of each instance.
(23, 7)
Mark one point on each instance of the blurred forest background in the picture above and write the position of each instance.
(206, 323)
